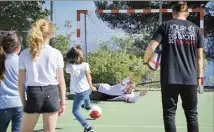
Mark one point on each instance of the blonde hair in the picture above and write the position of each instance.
(40, 33)
(132, 82)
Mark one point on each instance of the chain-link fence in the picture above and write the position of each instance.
(119, 32)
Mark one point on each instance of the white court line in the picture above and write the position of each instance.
(125, 126)
(111, 110)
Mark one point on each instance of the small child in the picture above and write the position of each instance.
(80, 83)
(10, 102)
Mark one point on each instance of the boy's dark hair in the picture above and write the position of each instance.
(9, 42)
(180, 7)
(75, 56)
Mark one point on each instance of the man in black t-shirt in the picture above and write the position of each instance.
(181, 66)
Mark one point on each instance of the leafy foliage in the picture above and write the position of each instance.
(211, 81)
(134, 23)
(62, 43)
(18, 15)
(210, 48)
(109, 66)
(132, 43)
(147, 23)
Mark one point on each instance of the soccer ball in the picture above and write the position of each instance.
(95, 112)
(155, 60)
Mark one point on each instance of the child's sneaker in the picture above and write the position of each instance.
(89, 129)
(87, 108)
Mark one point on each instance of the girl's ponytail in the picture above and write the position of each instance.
(2, 62)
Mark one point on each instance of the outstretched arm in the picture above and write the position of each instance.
(135, 98)
(130, 98)
(124, 81)
(127, 98)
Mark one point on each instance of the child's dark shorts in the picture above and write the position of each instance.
(42, 99)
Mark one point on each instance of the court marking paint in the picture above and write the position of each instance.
(125, 126)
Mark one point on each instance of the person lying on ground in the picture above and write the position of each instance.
(124, 91)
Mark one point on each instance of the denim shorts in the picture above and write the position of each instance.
(42, 99)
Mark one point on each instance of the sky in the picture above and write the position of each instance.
(96, 29)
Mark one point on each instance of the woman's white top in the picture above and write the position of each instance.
(43, 71)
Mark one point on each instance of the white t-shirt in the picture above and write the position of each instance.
(78, 81)
(116, 90)
(42, 72)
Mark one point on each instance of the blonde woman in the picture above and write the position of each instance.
(41, 71)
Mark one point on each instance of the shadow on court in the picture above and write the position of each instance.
(87, 119)
(41, 130)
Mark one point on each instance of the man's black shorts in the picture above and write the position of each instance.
(42, 99)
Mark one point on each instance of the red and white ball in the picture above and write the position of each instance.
(95, 112)
(154, 62)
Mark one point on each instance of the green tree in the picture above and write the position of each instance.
(134, 44)
(110, 66)
(134, 23)
(147, 23)
(211, 81)
(210, 48)
(62, 43)
(19, 15)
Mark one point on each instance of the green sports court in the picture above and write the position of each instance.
(143, 116)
